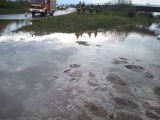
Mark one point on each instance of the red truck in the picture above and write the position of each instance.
(43, 7)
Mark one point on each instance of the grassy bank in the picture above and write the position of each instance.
(80, 22)
(118, 15)
(75, 23)
(13, 7)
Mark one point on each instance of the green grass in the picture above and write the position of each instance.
(13, 7)
(79, 22)
(111, 17)
(12, 11)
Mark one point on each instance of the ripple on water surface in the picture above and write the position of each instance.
(91, 75)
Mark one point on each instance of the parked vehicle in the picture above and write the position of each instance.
(63, 7)
(43, 7)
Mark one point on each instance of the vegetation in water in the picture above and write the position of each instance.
(80, 22)
(111, 16)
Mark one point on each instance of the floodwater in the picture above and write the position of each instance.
(29, 16)
(95, 75)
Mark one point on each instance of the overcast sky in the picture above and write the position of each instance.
(155, 2)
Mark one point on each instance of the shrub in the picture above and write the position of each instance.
(150, 15)
(131, 13)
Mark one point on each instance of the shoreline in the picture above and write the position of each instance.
(81, 22)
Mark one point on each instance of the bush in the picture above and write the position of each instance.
(13, 5)
(146, 14)
(131, 13)
(150, 15)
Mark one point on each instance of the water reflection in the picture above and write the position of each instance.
(54, 76)
(9, 26)
(120, 34)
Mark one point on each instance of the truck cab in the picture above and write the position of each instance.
(43, 7)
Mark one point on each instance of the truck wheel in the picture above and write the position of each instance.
(33, 14)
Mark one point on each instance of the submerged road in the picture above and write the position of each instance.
(95, 75)
(92, 75)
(29, 16)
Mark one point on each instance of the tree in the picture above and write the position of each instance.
(123, 1)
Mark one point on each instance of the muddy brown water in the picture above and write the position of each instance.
(53, 77)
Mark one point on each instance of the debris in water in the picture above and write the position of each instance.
(135, 68)
(151, 115)
(82, 43)
(125, 103)
(74, 66)
(155, 108)
(76, 74)
(67, 70)
(115, 79)
(157, 91)
(57, 76)
(138, 60)
(97, 110)
(112, 69)
(123, 58)
(117, 61)
(158, 66)
(83, 116)
(91, 83)
(127, 116)
(92, 75)
(98, 45)
(149, 75)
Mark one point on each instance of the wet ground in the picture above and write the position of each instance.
(29, 16)
(95, 75)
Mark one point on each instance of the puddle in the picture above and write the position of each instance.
(7, 27)
(15, 17)
(97, 110)
(127, 116)
(115, 79)
(29, 15)
(53, 77)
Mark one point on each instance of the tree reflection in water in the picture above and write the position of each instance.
(116, 35)
(120, 34)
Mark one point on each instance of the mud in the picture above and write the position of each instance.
(157, 91)
(123, 58)
(84, 43)
(121, 102)
(83, 116)
(74, 66)
(93, 83)
(127, 116)
(76, 74)
(115, 79)
(98, 45)
(148, 75)
(158, 66)
(117, 61)
(66, 71)
(152, 115)
(50, 77)
(114, 69)
(139, 60)
(135, 68)
(155, 108)
(97, 110)
(92, 75)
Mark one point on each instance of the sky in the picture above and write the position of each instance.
(144, 2)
